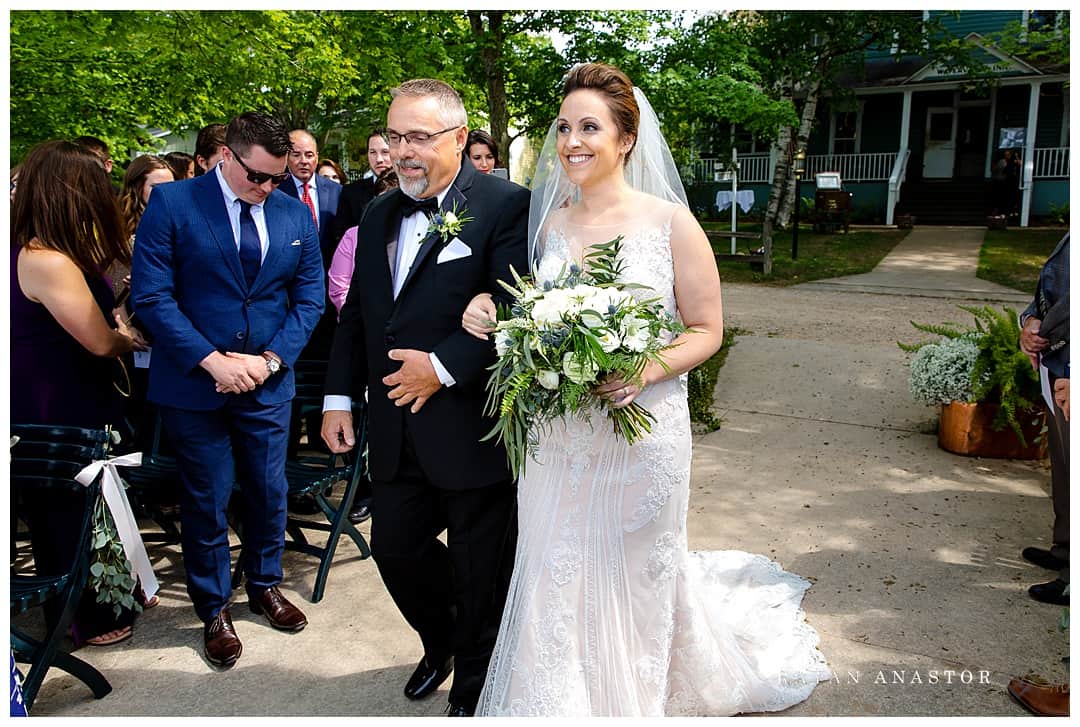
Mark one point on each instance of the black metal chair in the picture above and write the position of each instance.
(311, 469)
(45, 460)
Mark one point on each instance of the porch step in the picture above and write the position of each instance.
(947, 202)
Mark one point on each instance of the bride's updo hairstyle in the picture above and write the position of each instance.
(616, 89)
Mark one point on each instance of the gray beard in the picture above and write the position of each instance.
(413, 187)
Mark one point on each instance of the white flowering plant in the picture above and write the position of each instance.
(555, 343)
(941, 372)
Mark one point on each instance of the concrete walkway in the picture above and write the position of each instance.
(823, 463)
(938, 262)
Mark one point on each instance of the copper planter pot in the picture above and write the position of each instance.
(966, 429)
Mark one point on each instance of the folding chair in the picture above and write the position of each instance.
(46, 459)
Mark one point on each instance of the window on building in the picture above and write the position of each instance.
(845, 132)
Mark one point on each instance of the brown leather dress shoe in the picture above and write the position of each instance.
(220, 642)
(279, 612)
(1047, 700)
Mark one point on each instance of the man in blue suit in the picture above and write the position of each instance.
(228, 278)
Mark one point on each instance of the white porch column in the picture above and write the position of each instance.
(1029, 153)
(905, 132)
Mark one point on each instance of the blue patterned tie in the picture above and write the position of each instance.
(250, 248)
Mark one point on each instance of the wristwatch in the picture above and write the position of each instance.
(273, 363)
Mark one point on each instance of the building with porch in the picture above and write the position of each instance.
(913, 137)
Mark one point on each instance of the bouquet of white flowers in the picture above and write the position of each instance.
(555, 343)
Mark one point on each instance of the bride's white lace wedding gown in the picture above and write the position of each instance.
(608, 613)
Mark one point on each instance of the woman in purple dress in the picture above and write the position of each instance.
(65, 338)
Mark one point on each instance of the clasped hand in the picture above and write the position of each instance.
(236, 373)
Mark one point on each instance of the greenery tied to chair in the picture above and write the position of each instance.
(110, 570)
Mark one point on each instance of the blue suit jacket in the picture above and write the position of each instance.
(329, 193)
(188, 288)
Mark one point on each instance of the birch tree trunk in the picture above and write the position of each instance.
(806, 124)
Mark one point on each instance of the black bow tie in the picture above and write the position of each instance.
(410, 206)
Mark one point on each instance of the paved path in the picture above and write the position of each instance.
(937, 262)
(823, 463)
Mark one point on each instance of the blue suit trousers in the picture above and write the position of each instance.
(243, 442)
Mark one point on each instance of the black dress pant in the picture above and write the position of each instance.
(452, 594)
(1059, 481)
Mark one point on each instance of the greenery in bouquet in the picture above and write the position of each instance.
(558, 341)
(999, 372)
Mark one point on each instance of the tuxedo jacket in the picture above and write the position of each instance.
(354, 199)
(426, 316)
(329, 193)
(188, 288)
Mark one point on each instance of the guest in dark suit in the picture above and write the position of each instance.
(400, 336)
(1045, 339)
(356, 195)
(318, 193)
(228, 278)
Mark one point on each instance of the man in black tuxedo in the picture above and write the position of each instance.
(355, 196)
(1044, 337)
(400, 336)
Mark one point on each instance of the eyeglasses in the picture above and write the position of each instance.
(259, 177)
(416, 138)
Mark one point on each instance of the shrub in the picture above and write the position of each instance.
(941, 372)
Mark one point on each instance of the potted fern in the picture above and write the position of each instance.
(988, 393)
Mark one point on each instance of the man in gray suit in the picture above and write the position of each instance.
(1045, 339)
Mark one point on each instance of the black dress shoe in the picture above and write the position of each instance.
(1052, 592)
(1043, 558)
(361, 511)
(458, 710)
(426, 679)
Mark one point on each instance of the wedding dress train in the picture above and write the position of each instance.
(608, 613)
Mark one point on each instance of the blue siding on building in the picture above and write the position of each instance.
(983, 22)
(1046, 192)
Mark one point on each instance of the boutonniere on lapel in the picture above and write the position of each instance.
(448, 224)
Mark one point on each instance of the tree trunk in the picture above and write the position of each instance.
(806, 124)
(783, 166)
(491, 41)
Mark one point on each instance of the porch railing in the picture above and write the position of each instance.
(853, 167)
(1051, 162)
(755, 168)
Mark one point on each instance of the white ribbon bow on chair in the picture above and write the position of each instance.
(116, 499)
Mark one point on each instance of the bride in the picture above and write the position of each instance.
(608, 614)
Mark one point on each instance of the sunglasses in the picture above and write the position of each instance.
(259, 177)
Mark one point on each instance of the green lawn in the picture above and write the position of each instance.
(1015, 257)
(825, 255)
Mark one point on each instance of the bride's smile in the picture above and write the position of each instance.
(590, 142)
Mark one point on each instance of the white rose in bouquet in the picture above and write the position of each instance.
(578, 371)
(635, 333)
(608, 341)
(548, 379)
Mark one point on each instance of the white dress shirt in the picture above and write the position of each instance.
(232, 206)
(313, 192)
(411, 234)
